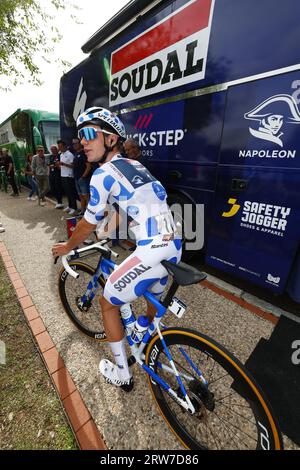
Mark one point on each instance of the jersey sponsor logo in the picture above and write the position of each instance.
(159, 190)
(132, 211)
(94, 196)
(130, 276)
(123, 268)
(162, 245)
(136, 175)
(137, 180)
(171, 53)
(90, 212)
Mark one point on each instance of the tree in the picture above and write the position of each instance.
(27, 30)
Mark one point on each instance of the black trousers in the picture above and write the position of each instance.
(69, 188)
(56, 187)
(11, 180)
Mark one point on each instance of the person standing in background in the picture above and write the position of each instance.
(10, 171)
(29, 178)
(54, 176)
(82, 173)
(132, 149)
(67, 176)
(40, 172)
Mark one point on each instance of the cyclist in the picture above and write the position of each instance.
(134, 193)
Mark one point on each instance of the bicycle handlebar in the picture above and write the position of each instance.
(99, 246)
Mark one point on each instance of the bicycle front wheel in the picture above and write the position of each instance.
(232, 411)
(84, 313)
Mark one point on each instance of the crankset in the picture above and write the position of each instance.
(83, 306)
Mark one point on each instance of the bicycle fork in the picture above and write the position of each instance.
(172, 369)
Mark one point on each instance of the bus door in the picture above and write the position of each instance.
(255, 230)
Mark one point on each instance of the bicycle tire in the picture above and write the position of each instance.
(71, 311)
(244, 385)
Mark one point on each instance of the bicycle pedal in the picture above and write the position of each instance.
(128, 387)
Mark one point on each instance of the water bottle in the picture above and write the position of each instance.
(127, 317)
(139, 329)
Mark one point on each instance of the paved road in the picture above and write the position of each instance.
(126, 421)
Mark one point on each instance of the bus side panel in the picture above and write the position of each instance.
(256, 227)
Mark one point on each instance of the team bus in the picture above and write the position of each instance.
(25, 129)
(211, 91)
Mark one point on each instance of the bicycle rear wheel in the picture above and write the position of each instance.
(231, 413)
(86, 316)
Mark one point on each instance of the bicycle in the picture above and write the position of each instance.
(206, 396)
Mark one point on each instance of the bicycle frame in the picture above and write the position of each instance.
(104, 268)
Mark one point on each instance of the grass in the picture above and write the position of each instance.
(31, 415)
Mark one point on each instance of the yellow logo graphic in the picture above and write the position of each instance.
(234, 209)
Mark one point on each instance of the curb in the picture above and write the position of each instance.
(242, 303)
(80, 420)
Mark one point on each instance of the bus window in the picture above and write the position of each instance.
(50, 133)
(22, 128)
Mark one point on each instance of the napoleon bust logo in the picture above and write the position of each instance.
(169, 54)
(271, 115)
(94, 196)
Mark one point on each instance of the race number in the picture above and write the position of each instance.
(177, 307)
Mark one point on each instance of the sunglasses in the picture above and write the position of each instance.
(90, 133)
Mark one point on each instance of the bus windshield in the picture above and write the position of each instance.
(51, 133)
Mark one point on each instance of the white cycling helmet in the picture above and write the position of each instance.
(104, 118)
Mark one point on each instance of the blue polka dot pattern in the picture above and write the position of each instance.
(124, 193)
(142, 286)
(145, 242)
(81, 119)
(108, 182)
(173, 260)
(177, 243)
(98, 171)
(91, 116)
(100, 217)
(164, 281)
(116, 301)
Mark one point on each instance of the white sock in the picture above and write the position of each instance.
(119, 352)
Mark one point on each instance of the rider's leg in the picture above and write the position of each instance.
(111, 320)
(115, 334)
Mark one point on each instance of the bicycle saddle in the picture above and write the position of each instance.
(183, 274)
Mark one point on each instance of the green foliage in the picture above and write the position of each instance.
(28, 29)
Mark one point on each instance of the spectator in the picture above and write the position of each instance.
(40, 172)
(54, 176)
(10, 172)
(132, 149)
(29, 177)
(67, 176)
(82, 173)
